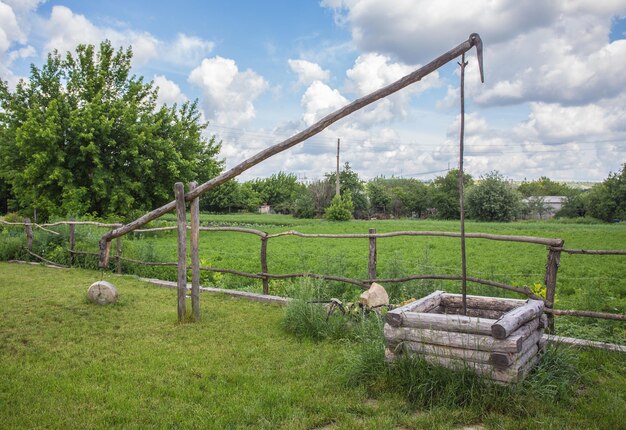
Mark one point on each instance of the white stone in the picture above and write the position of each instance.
(375, 296)
(102, 293)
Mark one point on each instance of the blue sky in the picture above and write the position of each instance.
(553, 104)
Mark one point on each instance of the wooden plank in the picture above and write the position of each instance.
(425, 304)
(395, 335)
(455, 323)
(181, 216)
(194, 208)
(584, 343)
(371, 262)
(514, 319)
(276, 300)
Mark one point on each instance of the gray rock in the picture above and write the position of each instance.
(102, 293)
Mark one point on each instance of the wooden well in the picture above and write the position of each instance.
(501, 339)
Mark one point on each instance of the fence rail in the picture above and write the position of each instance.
(553, 245)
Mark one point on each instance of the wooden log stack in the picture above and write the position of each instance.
(499, 338)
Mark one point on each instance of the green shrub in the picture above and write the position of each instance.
(340, 208)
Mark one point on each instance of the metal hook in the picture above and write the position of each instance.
(475, 40)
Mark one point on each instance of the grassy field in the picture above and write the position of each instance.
(65, 363)
(584, 282)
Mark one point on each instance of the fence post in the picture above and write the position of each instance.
(28, 227)
(118, 255)
(181, 215)
(195, 257)
(266, 285)
(72, 228)
(371, 264)
(552, 267)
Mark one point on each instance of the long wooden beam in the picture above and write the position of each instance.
(473, 40)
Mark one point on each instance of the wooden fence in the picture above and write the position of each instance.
(554, 249)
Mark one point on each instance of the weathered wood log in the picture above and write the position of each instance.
(395, 335)
(52, 263)
(264, 269)
(552, 267)
(481, 302)
(356, 282)
(530, 346)
(28, 229)
(371, 262)
(584, 343)
(314, 129)
(72, 244)
(443, 351)
(425, 304)
(118, 255)
(155, 229)
(528, 329)
(238, 229)
(181, 216)
(591, 251)
(590, 314)
(471, 312)
(488, 236)
(456, 323)
(514, 319)
(194, 208)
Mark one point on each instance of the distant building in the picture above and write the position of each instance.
(264, 208)
(544, 207)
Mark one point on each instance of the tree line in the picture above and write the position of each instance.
(84, 136)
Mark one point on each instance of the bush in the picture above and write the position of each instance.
(340, 208)
(492, 199)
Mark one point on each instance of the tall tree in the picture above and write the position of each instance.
(493, 199)
(445, 196)
(544, 186)
(83, 135)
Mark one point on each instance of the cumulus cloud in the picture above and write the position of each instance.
(320, 100)
(308, 72)
(169, 91)
(228, 93)
(187, 50)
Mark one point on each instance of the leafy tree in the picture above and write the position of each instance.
(575, 206)
(379, 195)
(607, 201)
(279, 190)
(350, 182)
(84, 136)
(445, 194)
(304, 206)
(231, 196)
(492, 199)
(340, 208)
(321, 193)
(544, 186)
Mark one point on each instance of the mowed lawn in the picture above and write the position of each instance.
(65, 363)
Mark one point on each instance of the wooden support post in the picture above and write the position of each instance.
(552, 267)
(181, 215)
(118, 255)
(371, 265)
(28, 227)
(266, 285)
(72, 228)
(195, 257)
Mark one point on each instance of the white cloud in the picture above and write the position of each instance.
(66, 29)
(228, 93)
(187, 50)
(10, 30)
(320, 100)
(308, 72)
(169, 91)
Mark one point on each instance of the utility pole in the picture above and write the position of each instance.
(337, 174)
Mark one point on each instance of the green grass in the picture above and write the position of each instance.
(584, 282)
(65, 363)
